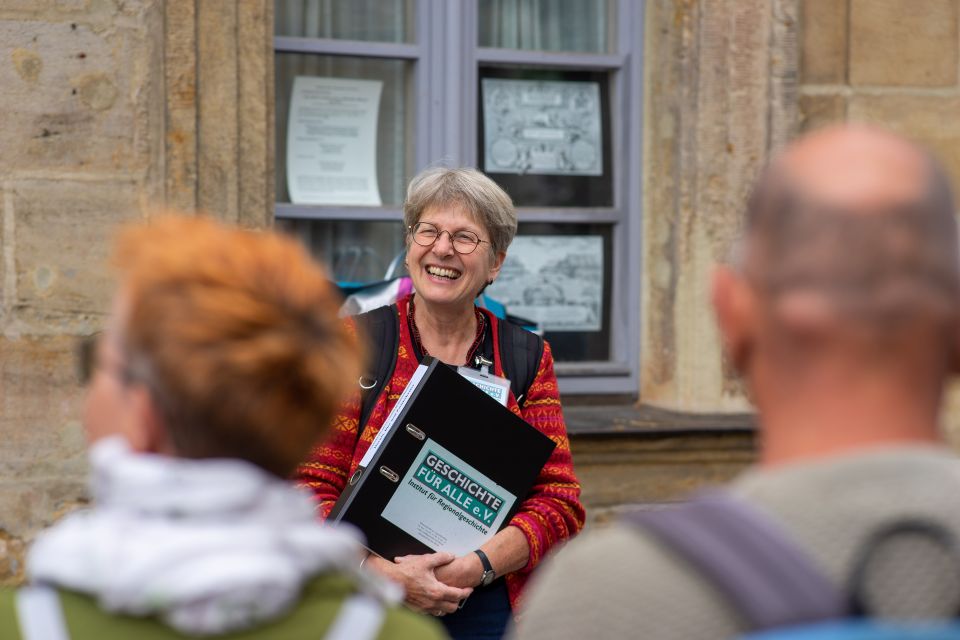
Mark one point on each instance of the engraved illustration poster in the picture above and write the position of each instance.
(332, 141)
(556, 281)
(542, 127)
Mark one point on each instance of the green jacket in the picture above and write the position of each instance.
(319, 606)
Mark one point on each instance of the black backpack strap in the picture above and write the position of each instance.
(764, 574)
(383, 338)
(520, 353)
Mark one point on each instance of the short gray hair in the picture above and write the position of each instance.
(880, 269)
(486, 202)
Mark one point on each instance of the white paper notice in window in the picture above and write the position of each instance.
(332, 141)
(542, 127)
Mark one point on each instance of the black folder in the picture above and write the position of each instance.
(464, 448)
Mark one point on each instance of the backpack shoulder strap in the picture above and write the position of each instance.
(40, 614)
(520, 352)
(383, 337)
(360, 618)
(767, 577)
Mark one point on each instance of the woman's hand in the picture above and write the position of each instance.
(465, 571)
(424, 592)
(507, 551)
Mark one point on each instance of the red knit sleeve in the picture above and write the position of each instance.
(552, 512)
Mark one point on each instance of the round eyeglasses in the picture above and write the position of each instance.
(464, 241)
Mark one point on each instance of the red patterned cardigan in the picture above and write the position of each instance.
(551, 512)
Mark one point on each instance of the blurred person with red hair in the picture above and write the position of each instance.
(222, 362)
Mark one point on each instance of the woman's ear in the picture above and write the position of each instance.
(496, 265)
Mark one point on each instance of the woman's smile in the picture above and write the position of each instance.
(443, 273)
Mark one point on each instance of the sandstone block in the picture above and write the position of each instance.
(819, 111)
(180, 69)
(930, 120)
(217, 176)
(40, 409)
(903, 43)
(12, 552)
(100, 14)
(72, 5)
(27, 506)
(823, 54)
(5, 290)
(25, 6)
(256, 127)
(62, 236)
(73, 99)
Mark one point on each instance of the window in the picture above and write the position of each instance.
(542, 95)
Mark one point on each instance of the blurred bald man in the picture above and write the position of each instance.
(840, 311)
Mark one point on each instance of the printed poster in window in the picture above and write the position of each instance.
(556, 281)
(544, 127)
(332, 141)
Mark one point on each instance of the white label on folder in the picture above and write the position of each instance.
(388, 424)
(447, 504)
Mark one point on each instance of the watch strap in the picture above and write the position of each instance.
(488, 573)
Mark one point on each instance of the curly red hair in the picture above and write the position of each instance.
(235, 332)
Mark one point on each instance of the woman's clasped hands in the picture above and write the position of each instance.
(435, 583)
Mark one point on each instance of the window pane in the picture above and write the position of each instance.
(547, 25)
(560, 276)
(394, 140)
(369, 20)
(353, 251)
(544, 135)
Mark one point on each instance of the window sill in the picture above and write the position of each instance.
(633, 419)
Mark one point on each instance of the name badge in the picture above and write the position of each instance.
(494, 386)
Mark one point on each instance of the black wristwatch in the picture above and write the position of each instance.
(488, 573)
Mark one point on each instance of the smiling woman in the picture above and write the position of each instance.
(460, 224)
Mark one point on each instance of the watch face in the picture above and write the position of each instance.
(487, 578)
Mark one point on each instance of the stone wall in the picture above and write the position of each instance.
(112, 107)
(728, 82)
(894, 63)
(110, 110)
(720, 94)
